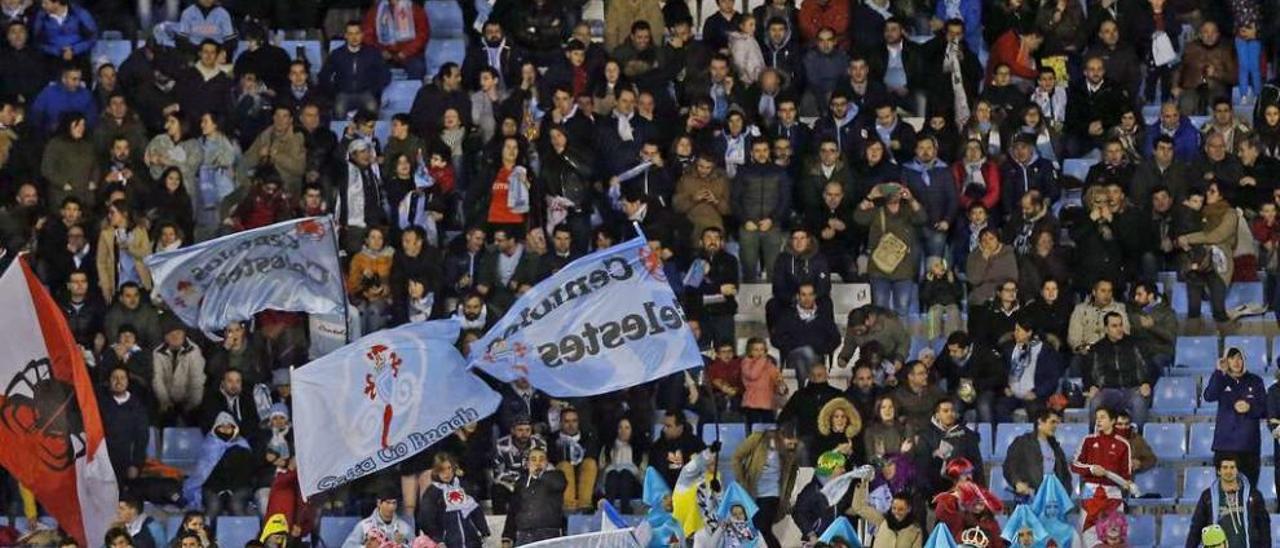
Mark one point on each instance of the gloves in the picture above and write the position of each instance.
(715, 485)
(715, 447)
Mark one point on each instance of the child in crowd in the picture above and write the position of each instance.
(762, 384)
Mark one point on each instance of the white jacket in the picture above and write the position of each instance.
(389, 531)
(178, 377)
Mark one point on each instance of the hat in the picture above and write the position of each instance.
(957, 467)
(278, 408)
(170, 324)
(575, 45)
(1213, 535)
(276, 524)
(358, 145)
(280, 377)
(1025, 139)
(828, 462)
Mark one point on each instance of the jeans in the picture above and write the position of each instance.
(620, 487)
(1195, 101)
(764, 519)
(414, 67)
(935, 242)
(1121, 398)
(1217, 296)
(758, 247)
(237, 499)
(894, 294)
(1249, 60)
(984, 406)
(800, 359)
(1159, 79)
(1006, 405)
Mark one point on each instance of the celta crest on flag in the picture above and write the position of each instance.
(380, 400)
(290, 266)
(51, 434)
(606, 321)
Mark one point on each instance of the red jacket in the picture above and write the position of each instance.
(415, 47)
(946, 506)
(1108, 451)
(991, 173)
(1006, 50)
(835, 16)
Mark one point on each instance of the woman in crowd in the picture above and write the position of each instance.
(887, 434)
(123, 244)
(69, 163)
(368, 280)
(838, 427)
(622, 461)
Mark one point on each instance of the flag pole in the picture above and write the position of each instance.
(346, 306)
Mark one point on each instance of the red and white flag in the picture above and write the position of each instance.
(51, 436)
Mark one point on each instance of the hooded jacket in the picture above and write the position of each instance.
(828, 439)
(178, 376)
(1249, 524)
(1235, 431)
(449, 521)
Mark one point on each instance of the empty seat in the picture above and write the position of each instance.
(181, 446)
(398, 98)
(1070, 435)
(985, 438)
(1194, 481)
(1175, 396)
(1254, 348)
(1077, 167)
(1173, 529)
(112, 51)
(1245, 293)
(1267, 485)
(1005, 433)
(1268, 443)
(730, 436)
(153, 442)
(447, 50)
(848, 296)
(751, 302)
(310, 50)
(1196, 352)
(335, 529)
(1168, 441)
(999, 487)
(1159, 486)
(236, 530)
(1142, 530)
(1200, 445)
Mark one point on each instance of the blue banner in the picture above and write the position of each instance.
(604, 322)
(380, 400)
(290, 266)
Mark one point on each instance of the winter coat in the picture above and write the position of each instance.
(144, 319)
(1160, 337)
(761, 191)
(363, 71)
(1116, 364)
(889, 332)
(964, 443)
(1197, 57)
(747, 58)
(937, 193)
(1186, 140)
(1084, 108)
(179, 376)
(621, 14)
(1237, 432)
(816, 15)
(905, 225)
(748, 463)
(376, 262)
(1017, 179)
(1256, 530)
(55, 100)
(451, 527)
(986, 274)
(537, 503)
(1024, 461)
(820, 333)
(1050, 368)
(77, 31)
(703, 215)
(287, 153)
(1221, 234)
(1086, 325)
(397, 528)
(886, 536)
(125, 425)
(109, 256)
(69, 167)
(760, 380)
(828, 438)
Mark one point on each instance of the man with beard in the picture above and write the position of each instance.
(943, 439)
(19, 219)
(475, 314)
(493, 52)
(1032, 218)
(121, 170)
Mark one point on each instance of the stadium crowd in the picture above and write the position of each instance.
(920, 147)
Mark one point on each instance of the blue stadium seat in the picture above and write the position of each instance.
(998, 485)
(1159, 486)
(1268, 443)
(181, 446)
(1069, 435)
(172, 524)
(1173, 530)
(1267, 486)
(1254, 348)
(730, 436)
(1196, 352)
(444, 51)
(918, 344)
(1005, 433)
(1177, 292)
(1194, 482)
(1142, 530)
(985, 438)
(1167, 440)
(1200, 446)
(1275, 528)
(1245, 293)
(236, 530)
(113, 51)
(1275, 351)
(398, 98)
(310, 50)
(1175, 396)
(153, 442)
(335, 529)
(448, 35)
(1077, 167)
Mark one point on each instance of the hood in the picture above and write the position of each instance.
(940, 537)
(824, 417)
(276, 524)
(1024, 518)
(1051, 491)
(735, 495)
(226, 418)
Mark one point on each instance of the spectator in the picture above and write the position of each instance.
(193, 524)
(1015, 50)
(130, 309)
(449, 510)
(621, 459)
(1154, 325)
(1141, 456)
(281, 147)
(1035, 371)
(991, 266)
(966, 505)
(1163, 171)
(65, 33)
(813, 511)
(205, 87)
(1103, 459)
(369, 280)
(897, 526)
(1024, 172)
(1178, 129)
(803, 408)
(748, 59)
(805, 331)
(766, 464)
(1223, 122)
(68, 162)
(886, 433)
(976, 373)
(354, 75)
(1092, 108)
(941, 442)
(22, 71)
(207, 20)
(1217, 235)
(139, 529)
(822, 66)
(1248, 524)
(761, 200)
(536, 504)
(511, 459)
(1027, 461)
(873, 323)
(84, 311)
(399, 28)
(539, 27)
(125, 421)
(231, 398)
(503, 275)
(675, 447)
(1241, 398)
(719, 288)
(762, 384)
(824, 14)
(1117, 374)
(1207, 70)
(68, 95)
(977, 178)
(383, 525)
(178, 382)
(838, 427)
(895, 252)
(226, 459)
(574, 455)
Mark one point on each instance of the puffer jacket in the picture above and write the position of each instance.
(762, 191)
(178, 377)
(1116, 364)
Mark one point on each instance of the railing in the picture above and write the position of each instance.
(618, 538)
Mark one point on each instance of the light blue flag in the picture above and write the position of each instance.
(661, 530)
(380, 400)
(604, 322)
(290, 266)
(1024, 518)
(735, 495)
(841, 528)
(655, 488)
(610, 518)
(940, 537)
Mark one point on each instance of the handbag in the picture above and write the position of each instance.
(890, 250)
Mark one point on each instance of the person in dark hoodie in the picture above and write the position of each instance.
(675, 446)
(1024, 464)
(449, 512)
(1233, 503)
(800, 264)
(780, 50)
(226, 460)
(1241, 398)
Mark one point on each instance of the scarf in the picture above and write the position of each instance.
(806, 315)
(1236, 506)
(494, 55)
(1024, 356)
(973, 174)
(572, 447)
(395, 22)
(735, 152)
(355, 193)
(279, 443)
(923, 169)
(767, 107)
(413, 212)
(455, 497)
(625, 131)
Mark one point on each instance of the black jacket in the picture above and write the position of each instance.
(451, 527)
(538, 503)
(1024, 462)
(1105, 105)
(985, 367)
(429, 105)
(821, 334)
(1253, 514)
(803, 407)
(125, 425)
(1116, 365)
(964, 443)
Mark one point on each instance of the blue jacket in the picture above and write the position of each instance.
(1186, 141)
(823, 72)
(359, 72)
(1237, 431)
(937, 195)
(55, 100)
(1016, 180)
(77, 31)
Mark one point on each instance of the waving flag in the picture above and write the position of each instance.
(51, 436)
(290, 266)
(841, 529)
(381, 400)
(603, 322)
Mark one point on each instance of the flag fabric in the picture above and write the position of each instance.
(290, 266)
(655, 488)
(51, 435)
(380, 400)
(941, 537)
(604, 322)
(610, 518)
(841, 528)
